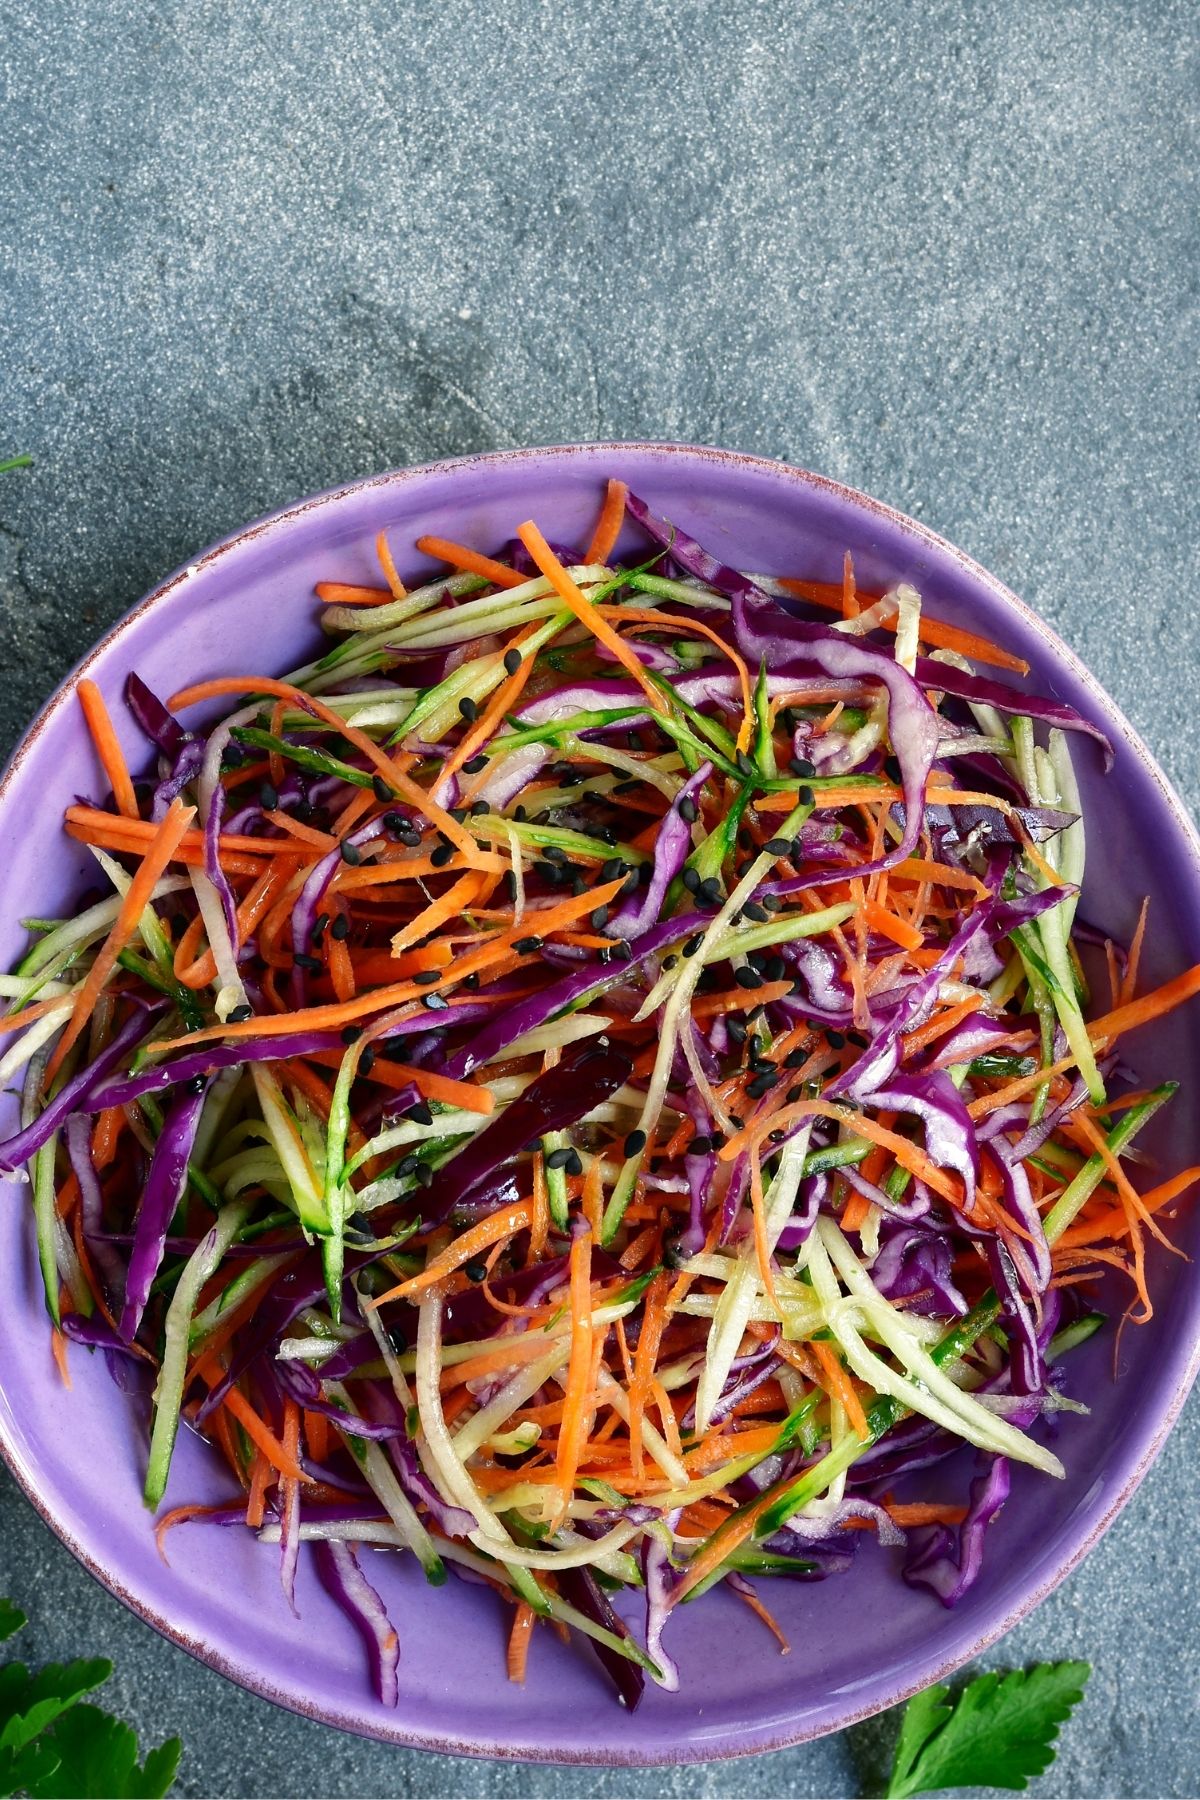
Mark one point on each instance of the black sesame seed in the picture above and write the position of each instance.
(693, 943)
(268, 797)
(527, 945)
(312, 963)
(626, 787)
(760, 1085)
(621, 951)
(710, 891)
(598, 919)
(754, 911)
(800, 765)
(472, 980)
(512, 661)
(424, 1174)
(478, 808)
(745, 841)
(836, 1039)
(340, 929)
(366, 1061)
(398, 1340)
(558, 1159)
(699, 1146)
(419, 1113)
(795, 1059)
(468, 709)
(691, 881)
(736, 1028)
(441, 856)
(351, 1033)
(688, 810)
(737, 1121)
(778, 846)
(805, 796)
(239, 1015)
(745, 765)
(796, 1093)
(772, 902)
(382, 791)
(574, 1163)
(196, 1085)
(748, 978)
(520, 815)
(550, 872)
(788, 718)
(891, 768)
(320, 926)
(427, 977)
(630, 884)
(474, 764)
(613, 869)
(233, 756)
(635, 1143)
(776, 969)
(670, 962)
(476, 1270)
(350, 853)
(459, 813)
(510, 884)
(435, 1002)
(578, 885)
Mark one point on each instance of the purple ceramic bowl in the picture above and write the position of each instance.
(861, 1641)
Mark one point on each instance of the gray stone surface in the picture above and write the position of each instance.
(944, 252)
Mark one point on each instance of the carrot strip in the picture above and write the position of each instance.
(608, 525)
(108, 748)
(494, 1229)
(383, 552)
(518, 1642)
(447, 906)
(167, 835)
(907, 1154)
(1151, 1006)
(578, 1396)
(654, 1322)
(459, 557)
(256, 1501)
(838, 1383)
(344, 593)
(587, 614)
(747, 1595)
(933, 631)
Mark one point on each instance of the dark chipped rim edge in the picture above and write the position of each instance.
(752, 1740)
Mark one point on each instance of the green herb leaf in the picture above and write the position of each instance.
(999, 1731)
(97, 1759)
(29, 1703)
(11, 1620)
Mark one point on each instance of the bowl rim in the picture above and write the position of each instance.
(751, 1739)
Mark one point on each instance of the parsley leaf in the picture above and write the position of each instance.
(98, 1760)
(54, 1748)
(999, 1731)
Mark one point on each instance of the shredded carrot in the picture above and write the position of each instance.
(256, 1502)
(108, 749)
(459, 557)
(495, 1229)
(384, 553)
(344, 593)
(584, 611)
(578, 1396)
(1151, 1006)
(175, 822)
(654, 1321)
(839, 1384)
(747, 1595)
(608, 525)
(518, 1642)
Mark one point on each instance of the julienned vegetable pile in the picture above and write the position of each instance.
(592, 1081)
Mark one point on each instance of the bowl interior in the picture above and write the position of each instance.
(860, 1641)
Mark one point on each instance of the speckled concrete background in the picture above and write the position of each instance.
(946, 253)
